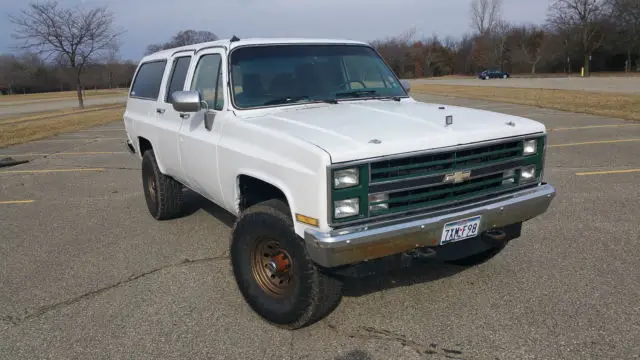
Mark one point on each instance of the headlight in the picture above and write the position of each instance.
(527, 174)
(346, 178)
(375, 198)
(346, 208)
(530, 147)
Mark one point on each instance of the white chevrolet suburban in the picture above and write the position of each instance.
(330, 166)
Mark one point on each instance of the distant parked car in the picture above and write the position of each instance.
(493, 74)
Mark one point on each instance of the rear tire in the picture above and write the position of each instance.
(162, 193)
(273, 270)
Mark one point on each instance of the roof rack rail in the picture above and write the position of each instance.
(235, 38)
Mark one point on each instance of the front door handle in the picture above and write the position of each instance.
(184, 115)
(160, 110)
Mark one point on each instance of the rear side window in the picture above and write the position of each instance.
(178, 76)
(146, 85)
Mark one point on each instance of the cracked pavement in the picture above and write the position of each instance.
(86, 273)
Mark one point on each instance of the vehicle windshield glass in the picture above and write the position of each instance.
(284, 74)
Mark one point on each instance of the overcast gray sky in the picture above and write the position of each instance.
(152, 21)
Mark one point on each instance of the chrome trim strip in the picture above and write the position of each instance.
(366, 242)
(224, 47)
(544, 158)
(448, 171)
(437, 150)
(179, 51)
(441, 183)
(329, 180)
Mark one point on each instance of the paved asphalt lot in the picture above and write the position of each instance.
(86, 273)
(596, 83)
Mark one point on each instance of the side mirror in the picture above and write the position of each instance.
(406, 85)
(186, 101)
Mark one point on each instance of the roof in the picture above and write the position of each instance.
(227, 43)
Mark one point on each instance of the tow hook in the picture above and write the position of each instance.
(496, 234)
(495, 237)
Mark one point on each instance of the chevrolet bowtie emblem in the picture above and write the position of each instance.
(457, 177)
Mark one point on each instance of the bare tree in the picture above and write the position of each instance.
(587, 17)
(500, 36)
(395, 50)
(76, 35)
(182, 38)
(485, 15)
(627, 15)
(531, 41)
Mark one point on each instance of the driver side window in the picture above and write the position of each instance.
(207, 80)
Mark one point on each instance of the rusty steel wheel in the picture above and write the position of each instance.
(272, 267)
(273, 270)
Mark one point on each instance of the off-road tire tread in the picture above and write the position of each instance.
(170, 197)
(326, 290)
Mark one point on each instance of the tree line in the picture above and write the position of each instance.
(59, 48)
(599, 35)
(30, 73)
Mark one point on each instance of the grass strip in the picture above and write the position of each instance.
(617, 105)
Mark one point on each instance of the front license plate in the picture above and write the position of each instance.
(460, 230)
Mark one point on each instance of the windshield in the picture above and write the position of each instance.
(284, 74)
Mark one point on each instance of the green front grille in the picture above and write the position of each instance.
(442, 194)
(416, 183)
(404, 168)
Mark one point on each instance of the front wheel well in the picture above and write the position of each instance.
(254, 191)
(144, 145)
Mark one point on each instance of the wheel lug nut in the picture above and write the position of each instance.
(272, 266)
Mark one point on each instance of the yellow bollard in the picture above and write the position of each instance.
(582, 72)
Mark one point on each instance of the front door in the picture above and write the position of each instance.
(201, 131)
(169, 118)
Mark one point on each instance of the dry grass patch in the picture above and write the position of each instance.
(21, 130)
(624, 106)
(12, 119)
(9, 100)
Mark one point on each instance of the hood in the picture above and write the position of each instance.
(367, 129)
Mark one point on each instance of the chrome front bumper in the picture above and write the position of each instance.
(376, 240)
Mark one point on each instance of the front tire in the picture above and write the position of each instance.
(162, 193)
(274, 272)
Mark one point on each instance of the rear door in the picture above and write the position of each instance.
(170, 119)
(199, 138)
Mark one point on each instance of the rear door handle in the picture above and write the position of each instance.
(160, 110)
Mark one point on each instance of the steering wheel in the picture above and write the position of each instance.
(352, 81)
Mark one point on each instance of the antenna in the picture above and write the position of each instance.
(235, 38)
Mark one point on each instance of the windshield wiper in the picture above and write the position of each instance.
(396, 98)
(357, 93)
(292, 99)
